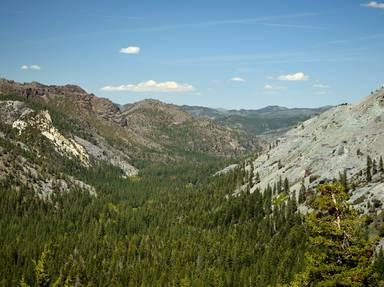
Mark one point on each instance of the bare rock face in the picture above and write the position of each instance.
(322, 147)
(85, 101)
(10, 111)
(42, 121)
(103, 151)
(36, 89)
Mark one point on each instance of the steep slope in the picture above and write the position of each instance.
(169, 128)
(338, 140)
(31, 149)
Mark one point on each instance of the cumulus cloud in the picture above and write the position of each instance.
(237, 79)
(31, 67)
(130, 50)
(374, 4)
(151, 86)
(273, 88)
(300, 76)
(320, 86)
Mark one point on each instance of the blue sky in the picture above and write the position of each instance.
(229, 54)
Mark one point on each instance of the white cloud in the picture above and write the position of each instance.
(320, 86)
(35, 67)
(374, 4)
(237, 79)
(273, 88)
(300, 76)
(151, 86)
(31, 67)
(130, 50)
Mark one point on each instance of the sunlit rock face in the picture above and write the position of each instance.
(42, 121)
(324, 146)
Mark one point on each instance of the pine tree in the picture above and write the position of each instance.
(344, 180)
(42, 277)
(251, 175)
(279, 185)
(374, 167)
(368, 170)
(379, 266)
(338, 255)
(302, 192)
(286, 186)
(292, 204)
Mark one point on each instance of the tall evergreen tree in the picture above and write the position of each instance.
(286, 186)
(374, 167)
(344, 180)
(338, 255)
(368, 169)
(379, 266)
(279, 185)
(42, 277)
(302, 192)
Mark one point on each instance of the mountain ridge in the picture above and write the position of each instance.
(146, 130)
(323, 147)
(266, 123)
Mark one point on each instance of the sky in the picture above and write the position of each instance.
(220, 54)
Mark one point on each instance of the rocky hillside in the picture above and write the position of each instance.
(168, 127)
(52, 94)
(141, 132)
(339, 140)
(33, 152)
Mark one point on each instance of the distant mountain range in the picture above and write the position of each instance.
(271, 119)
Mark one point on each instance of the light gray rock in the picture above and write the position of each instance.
(322, 147)
(227, 169)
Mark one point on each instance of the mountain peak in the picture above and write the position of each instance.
(273, 108)
(172, 112)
